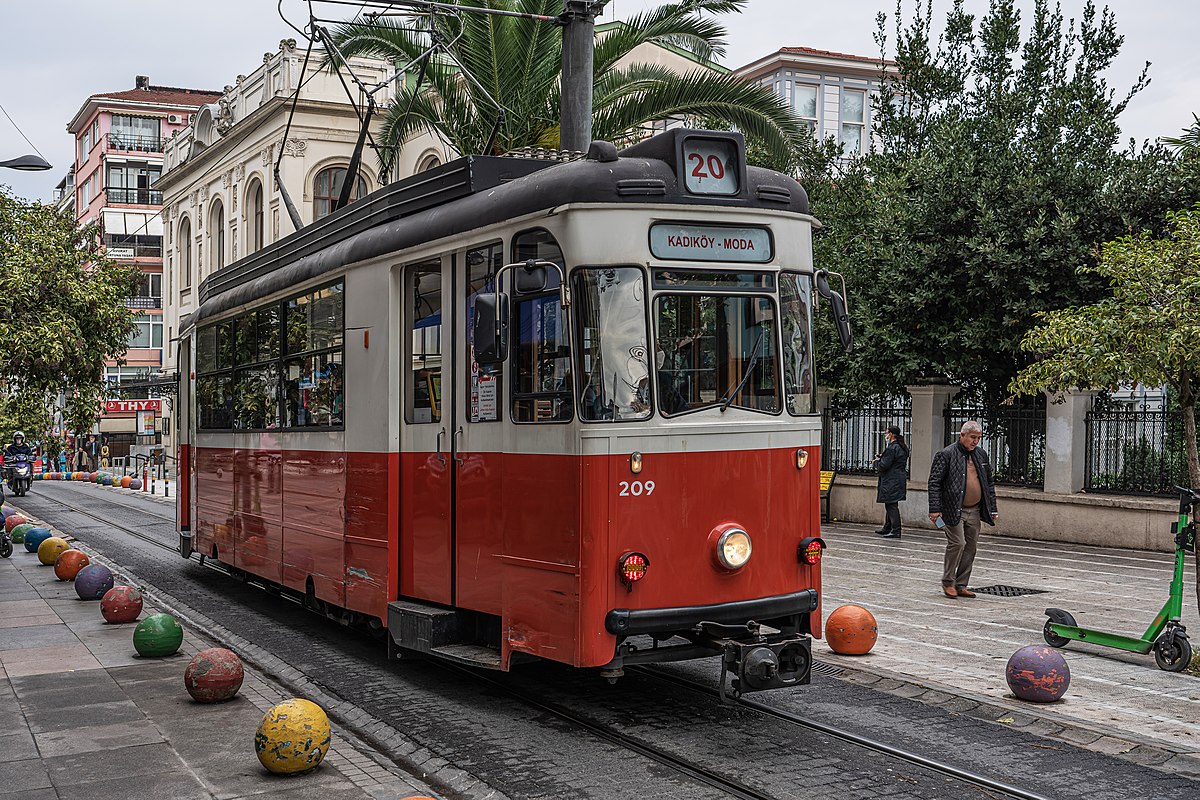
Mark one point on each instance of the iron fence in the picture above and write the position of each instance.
(1131, 451)
(852, 437)
(1013, 436)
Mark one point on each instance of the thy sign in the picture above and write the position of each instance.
(131, 406)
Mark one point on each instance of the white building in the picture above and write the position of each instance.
(220, 200)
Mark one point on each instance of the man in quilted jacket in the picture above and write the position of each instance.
(962, 496)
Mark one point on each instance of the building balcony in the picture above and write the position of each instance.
(134, 144)
(142, 197)
(126, 251)
(143, 302)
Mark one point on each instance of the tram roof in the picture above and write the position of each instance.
(474, 192)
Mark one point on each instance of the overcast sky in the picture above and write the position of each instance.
(57, 53)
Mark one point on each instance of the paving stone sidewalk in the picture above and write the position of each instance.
(84, 716)
(954, 651)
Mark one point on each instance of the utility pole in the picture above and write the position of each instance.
(578, 44)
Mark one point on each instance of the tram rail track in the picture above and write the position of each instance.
(684, 767)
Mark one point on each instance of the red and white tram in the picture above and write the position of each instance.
(405, 414)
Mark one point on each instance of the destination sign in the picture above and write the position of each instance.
(710, 243)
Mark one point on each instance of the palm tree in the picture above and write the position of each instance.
(1189, 142)
(518, 63)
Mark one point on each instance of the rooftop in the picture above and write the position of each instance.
(169, 95)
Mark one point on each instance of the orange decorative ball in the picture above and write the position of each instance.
(68, 564)
(126, 481)
(851, 630)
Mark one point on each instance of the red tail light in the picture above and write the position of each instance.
(631, 568)
(810, 550)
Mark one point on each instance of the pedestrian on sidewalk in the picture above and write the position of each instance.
(92, 451)
(892, 465)
(961, 496)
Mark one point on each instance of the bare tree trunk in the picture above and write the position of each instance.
(1187, 404)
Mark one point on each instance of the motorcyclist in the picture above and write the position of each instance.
(17, 448)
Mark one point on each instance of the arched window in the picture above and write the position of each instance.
(185, 254)
(327, 187)
(254, 217)
(216, 231)
(428, 162)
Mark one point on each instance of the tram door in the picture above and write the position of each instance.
(426, 459)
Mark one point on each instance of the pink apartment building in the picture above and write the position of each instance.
(119, 140)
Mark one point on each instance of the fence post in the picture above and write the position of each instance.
(1066, 440)
(928, 428)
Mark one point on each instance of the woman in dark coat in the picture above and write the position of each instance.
(892, 465)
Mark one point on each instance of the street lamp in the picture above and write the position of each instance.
(27, 163)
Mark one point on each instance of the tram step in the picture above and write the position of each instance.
(422, 627)
(476, 655)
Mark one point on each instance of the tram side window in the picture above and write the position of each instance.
(256, 384)
(541, 353)
(795, 299)
(423, 300)
(483, 381)
(313, 379)
(614, 367)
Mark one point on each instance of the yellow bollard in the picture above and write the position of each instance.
(293, 737)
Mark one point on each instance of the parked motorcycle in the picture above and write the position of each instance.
(5, 543)
(19, 471)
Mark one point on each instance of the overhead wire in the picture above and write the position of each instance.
(23, 136)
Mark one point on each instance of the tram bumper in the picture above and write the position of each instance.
(762, 641)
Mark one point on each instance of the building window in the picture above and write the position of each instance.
(327, 187)
(216, 231)
(148, 331)
(135, 133)
(185, 254)
(254, 216)
(804, 102)
(130, 183)
(428, 163)
(854, 117)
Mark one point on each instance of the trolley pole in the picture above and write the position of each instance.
(579, 43)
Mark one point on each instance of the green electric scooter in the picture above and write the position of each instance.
(1166, 634)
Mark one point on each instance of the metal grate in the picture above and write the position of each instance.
(1007, 591)
(821, 668)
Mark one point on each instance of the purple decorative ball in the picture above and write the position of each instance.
(1038, 674)
(93, 581)
(135, 484)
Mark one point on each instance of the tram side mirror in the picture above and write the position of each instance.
(490, 328)
(531, 278)
(841, 317)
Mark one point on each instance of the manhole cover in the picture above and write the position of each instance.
(822, 668)
(1007, 591)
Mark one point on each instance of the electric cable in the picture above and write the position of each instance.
(23, 136)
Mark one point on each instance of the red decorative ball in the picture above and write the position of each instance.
(851, 630)
(214, 675)
(1038, 674)
(121, 604)
(12, 521)
(68, 564)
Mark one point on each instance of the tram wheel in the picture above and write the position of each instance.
(1052, 638)
(1172, 652)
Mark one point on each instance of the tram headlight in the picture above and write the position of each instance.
(801, 458)
(631, 568)
(734, 548)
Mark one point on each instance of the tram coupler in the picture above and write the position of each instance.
(764, 664)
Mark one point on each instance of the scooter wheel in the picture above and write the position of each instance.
(1052, 638)
(5, 548)
(1172, 652)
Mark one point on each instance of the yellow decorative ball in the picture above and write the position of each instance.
(51, 549)
(293, 737)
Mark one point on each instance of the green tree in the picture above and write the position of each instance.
(518, 62)
(1147, 330)
(62, 315)
(997, 173)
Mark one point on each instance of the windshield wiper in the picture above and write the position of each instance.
(745, 375)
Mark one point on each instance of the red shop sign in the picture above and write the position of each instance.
(130, 406)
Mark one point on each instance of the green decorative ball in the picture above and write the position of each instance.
(18, 533)
(158, 635)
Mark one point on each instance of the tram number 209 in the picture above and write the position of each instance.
(636, 488)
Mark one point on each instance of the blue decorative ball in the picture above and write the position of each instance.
(1038, 674)
(35, 537)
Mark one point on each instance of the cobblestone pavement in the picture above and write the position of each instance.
(471, 741)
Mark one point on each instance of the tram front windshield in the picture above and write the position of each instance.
(712, 340)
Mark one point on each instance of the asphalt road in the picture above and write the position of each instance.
(525, 752)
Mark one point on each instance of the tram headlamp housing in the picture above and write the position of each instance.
(801, 458)
(734, 548)
(635, 462)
